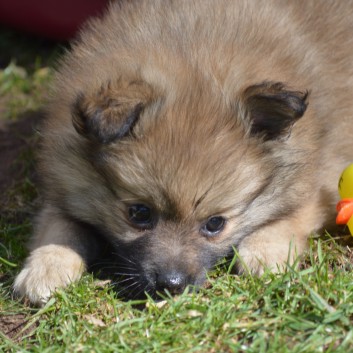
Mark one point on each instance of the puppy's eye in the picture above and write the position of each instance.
(141, 216)
(213, 226)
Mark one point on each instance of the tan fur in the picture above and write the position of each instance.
(193, 76)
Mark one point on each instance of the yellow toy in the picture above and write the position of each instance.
(345, 206)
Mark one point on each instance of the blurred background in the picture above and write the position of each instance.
(49, 18)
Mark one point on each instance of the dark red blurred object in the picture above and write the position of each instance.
(56, 19)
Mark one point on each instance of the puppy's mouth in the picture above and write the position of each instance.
(131, 282)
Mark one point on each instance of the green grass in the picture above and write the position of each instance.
(22, 90)
(309, 308)
(303, 310)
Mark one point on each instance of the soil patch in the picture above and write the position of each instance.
(16, 138)
(14, 326)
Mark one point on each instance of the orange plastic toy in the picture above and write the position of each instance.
(345, 206)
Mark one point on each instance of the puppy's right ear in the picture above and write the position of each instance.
(272, 109)
(112, 112)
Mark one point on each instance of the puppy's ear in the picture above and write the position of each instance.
(112, 112)
(272, 109)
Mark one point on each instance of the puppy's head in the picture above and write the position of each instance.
(180, 180)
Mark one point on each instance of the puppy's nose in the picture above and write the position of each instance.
(174, 282)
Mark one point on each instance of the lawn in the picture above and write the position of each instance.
(309, 308)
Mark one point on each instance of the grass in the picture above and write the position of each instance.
(309, 308)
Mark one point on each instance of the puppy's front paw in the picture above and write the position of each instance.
(48, 268)
(255, 260)
(269, 249)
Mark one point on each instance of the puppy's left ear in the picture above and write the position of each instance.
(111, 113)
(272, 109)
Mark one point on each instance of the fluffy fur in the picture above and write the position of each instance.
(196, 109)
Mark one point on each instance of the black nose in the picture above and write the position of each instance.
(174, 282)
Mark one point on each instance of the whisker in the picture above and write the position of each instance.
(137, 295)
(127, 274)
(135, 290)
(125, 280)
(131, 285)
(118, 267)
(133, 269)
(124, 258)
(123, 291)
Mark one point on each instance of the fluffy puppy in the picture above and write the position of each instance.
(179, 130)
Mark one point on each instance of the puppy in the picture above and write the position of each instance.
(179, 130)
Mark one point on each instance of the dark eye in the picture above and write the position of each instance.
(141, 216)
(213, 226)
